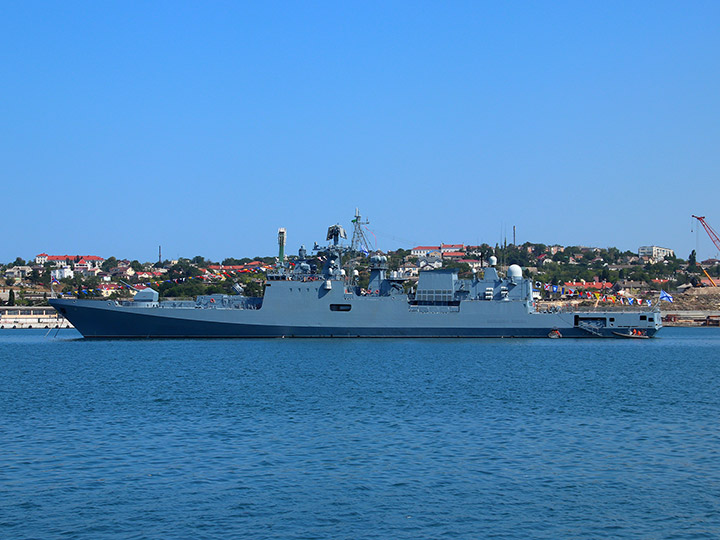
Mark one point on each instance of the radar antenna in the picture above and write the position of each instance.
(359, 242)
(335, 232)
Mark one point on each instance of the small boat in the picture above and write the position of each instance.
(631, 336)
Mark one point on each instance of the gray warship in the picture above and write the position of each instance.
(301, 300)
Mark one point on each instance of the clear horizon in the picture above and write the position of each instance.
(204, 128)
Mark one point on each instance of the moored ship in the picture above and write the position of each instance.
(301, 300)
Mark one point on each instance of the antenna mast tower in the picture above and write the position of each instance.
(359, 240)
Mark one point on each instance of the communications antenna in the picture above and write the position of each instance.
(359, 242)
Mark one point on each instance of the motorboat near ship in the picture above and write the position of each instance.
(301, 300)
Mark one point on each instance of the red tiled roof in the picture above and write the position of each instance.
(431, 248)
(454, 254)
(65, 257)
(226, 267)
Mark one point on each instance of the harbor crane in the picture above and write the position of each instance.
(715, 240)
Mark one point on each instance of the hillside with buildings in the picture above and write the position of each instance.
(561, 272)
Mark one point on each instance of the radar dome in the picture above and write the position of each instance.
(514, 271)
(492, 260)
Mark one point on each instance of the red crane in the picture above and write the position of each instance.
(708, 229)
(713, 236)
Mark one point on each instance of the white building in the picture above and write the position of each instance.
(409, 269)
(62, 272)
(18, 272)
(430, 263)
(655, 253)
(93, 261)
(447, 248)
(422, 251)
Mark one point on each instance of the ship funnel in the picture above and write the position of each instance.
(281, 244)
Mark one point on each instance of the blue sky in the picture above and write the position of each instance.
(203, 127)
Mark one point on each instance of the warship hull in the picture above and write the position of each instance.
(368, 317)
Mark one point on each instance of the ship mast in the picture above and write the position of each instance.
(359, 243)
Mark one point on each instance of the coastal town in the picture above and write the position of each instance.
(562, 274)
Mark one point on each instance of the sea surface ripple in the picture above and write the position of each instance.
(360, 438)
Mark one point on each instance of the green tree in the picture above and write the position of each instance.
(462, 268)
(110, 262)
(11, 298)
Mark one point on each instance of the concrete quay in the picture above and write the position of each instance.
(31, 317)
(690, 318)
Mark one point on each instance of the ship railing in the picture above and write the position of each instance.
(296, 277)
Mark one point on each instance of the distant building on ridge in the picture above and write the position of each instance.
(655, 253)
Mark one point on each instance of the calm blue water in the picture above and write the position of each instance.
(359, 439)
